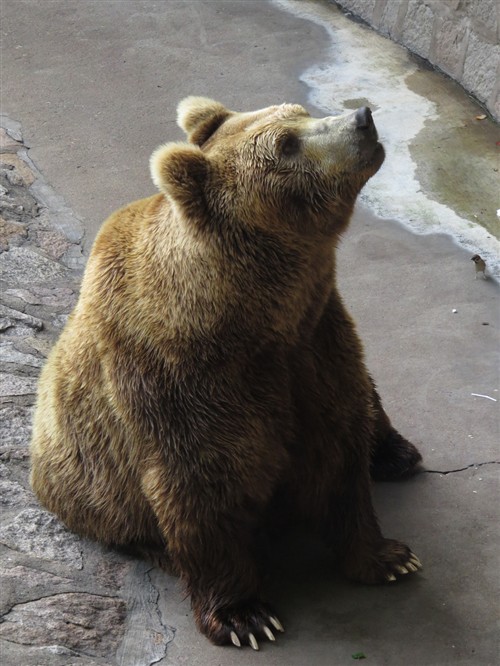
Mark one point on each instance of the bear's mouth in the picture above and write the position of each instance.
(378, 154)
(373, 158)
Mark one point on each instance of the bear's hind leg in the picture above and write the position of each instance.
(366, 556)
(393, 456)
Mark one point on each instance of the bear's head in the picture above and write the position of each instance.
(277, 169)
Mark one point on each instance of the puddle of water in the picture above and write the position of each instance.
(457, 156)
(439, 175)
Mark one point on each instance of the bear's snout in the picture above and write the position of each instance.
(370, 152)
(363, 118)
(364, 125)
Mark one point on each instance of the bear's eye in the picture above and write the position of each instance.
(288, 144)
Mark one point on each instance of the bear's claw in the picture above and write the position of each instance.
(412, 565)
(415, 561)
(276, 623)
(252, 641)
(269, 634)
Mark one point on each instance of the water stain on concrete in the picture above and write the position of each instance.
(456, 153)
(356, 102)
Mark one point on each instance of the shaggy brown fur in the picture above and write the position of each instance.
(210, 371)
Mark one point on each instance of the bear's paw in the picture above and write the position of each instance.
(385, 564)
(241, 624)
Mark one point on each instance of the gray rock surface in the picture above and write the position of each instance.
(47, 655)
(14, 385)
(47, 616)
(63, 601)
(25, 265)
(13, 494)
(88, 623)
(10, 318)
(41, 535)
(15, 429)
(9, 354)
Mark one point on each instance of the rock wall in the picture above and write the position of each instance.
(460, 37)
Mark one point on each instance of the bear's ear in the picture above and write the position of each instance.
(180, 171)
(199, 117)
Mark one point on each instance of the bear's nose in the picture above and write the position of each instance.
(363, 118)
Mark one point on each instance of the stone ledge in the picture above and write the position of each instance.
(65, 601)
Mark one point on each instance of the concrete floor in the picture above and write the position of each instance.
(94, 85)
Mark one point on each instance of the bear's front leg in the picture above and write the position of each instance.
(366, 556)
(213, 552)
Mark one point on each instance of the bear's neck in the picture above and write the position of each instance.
(281, 283)
(226, 294)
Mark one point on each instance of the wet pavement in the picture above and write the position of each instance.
(89, 90)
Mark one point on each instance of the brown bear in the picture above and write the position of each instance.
(210, 379)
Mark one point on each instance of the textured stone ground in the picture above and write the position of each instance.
(63, 601)
(58, 597)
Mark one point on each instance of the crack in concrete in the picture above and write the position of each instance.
(168, 631)
(66, 650)
(56, 648)
(460, 469)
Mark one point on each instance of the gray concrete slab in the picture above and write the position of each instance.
(93, 87)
